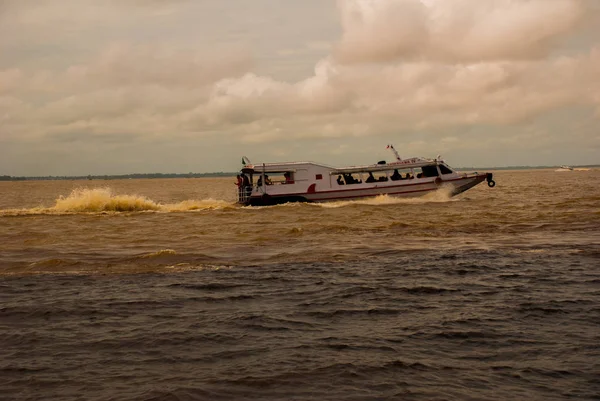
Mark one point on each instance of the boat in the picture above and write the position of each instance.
(264, 184)
(569, 168)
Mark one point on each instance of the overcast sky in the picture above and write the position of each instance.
(141, 86)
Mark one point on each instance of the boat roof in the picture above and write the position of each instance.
(293, 166)
(281, 166)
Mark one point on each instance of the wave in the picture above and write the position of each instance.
(439, 196)
(161, 253)
(51, 263)
(204, 204)
(102, 200)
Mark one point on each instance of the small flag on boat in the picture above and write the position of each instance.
(395, 153)
(243, 162)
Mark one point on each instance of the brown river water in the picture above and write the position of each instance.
(167, 290)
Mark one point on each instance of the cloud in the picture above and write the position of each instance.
(463, 75)
(456, 31)
(252, 98)
(405, 96)
(125, 64)
(339, 99)
(137, 86)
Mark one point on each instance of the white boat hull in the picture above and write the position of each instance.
(404, 188)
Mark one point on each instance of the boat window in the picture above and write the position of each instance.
(429, 171)
(349, 179)
(278, 178)
(445, 170)
(288, 177)
(400, 174)
(376, 176)
(268, 180)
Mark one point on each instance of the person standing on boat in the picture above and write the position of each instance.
(246, 185)
(240, 185)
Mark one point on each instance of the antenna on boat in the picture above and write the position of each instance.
(395, 153)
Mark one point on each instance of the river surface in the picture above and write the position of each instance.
(166, 290)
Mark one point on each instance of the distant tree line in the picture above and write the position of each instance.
(117, 177)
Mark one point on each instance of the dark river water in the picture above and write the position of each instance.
(166, 290)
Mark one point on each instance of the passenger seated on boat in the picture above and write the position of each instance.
(408, 176)
(268, 180)
(396, 176)
(351, 180)
(370, 178)
(383, 178)
(288, 178)
(340, 181)
(420, 175)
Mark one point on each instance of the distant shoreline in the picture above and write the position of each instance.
(231, 174)
(116, 176)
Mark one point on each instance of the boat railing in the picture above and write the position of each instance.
(469, 174)
(244, 194)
